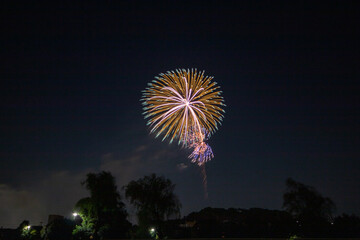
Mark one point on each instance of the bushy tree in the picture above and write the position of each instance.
(103, 213)
(154, 199)
(304, 201)
(312, 211)
(86, 209)
(26, 232)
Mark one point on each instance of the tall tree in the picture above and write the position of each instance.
(154, 199)
(26, 232)
(103, 213)
(301, 200)
(103, 189)
(312, 211)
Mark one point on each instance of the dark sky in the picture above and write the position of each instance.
(71, 80)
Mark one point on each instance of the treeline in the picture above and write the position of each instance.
(260, 223)
(102, 215)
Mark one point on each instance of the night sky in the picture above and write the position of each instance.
(71, 80)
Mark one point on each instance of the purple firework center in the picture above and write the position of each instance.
(201, 154)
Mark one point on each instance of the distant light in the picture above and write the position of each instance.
(27, 227)
(152, 230)
(75, 214)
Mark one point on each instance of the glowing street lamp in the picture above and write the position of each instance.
(75, 214)
(152, 232)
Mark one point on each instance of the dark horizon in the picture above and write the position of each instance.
(72, 76)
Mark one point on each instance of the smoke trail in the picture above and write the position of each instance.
(203, 171)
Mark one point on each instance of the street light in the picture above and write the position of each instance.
(27, 227)
(75, 214)
(152, 232)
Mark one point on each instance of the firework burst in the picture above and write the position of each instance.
(187, 106)
(179, 100)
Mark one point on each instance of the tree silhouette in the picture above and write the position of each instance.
(240, 223)
(102, 214)
(87, 210)
(24, 231)
(312, 211)
(58, 229)
(154, 199)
